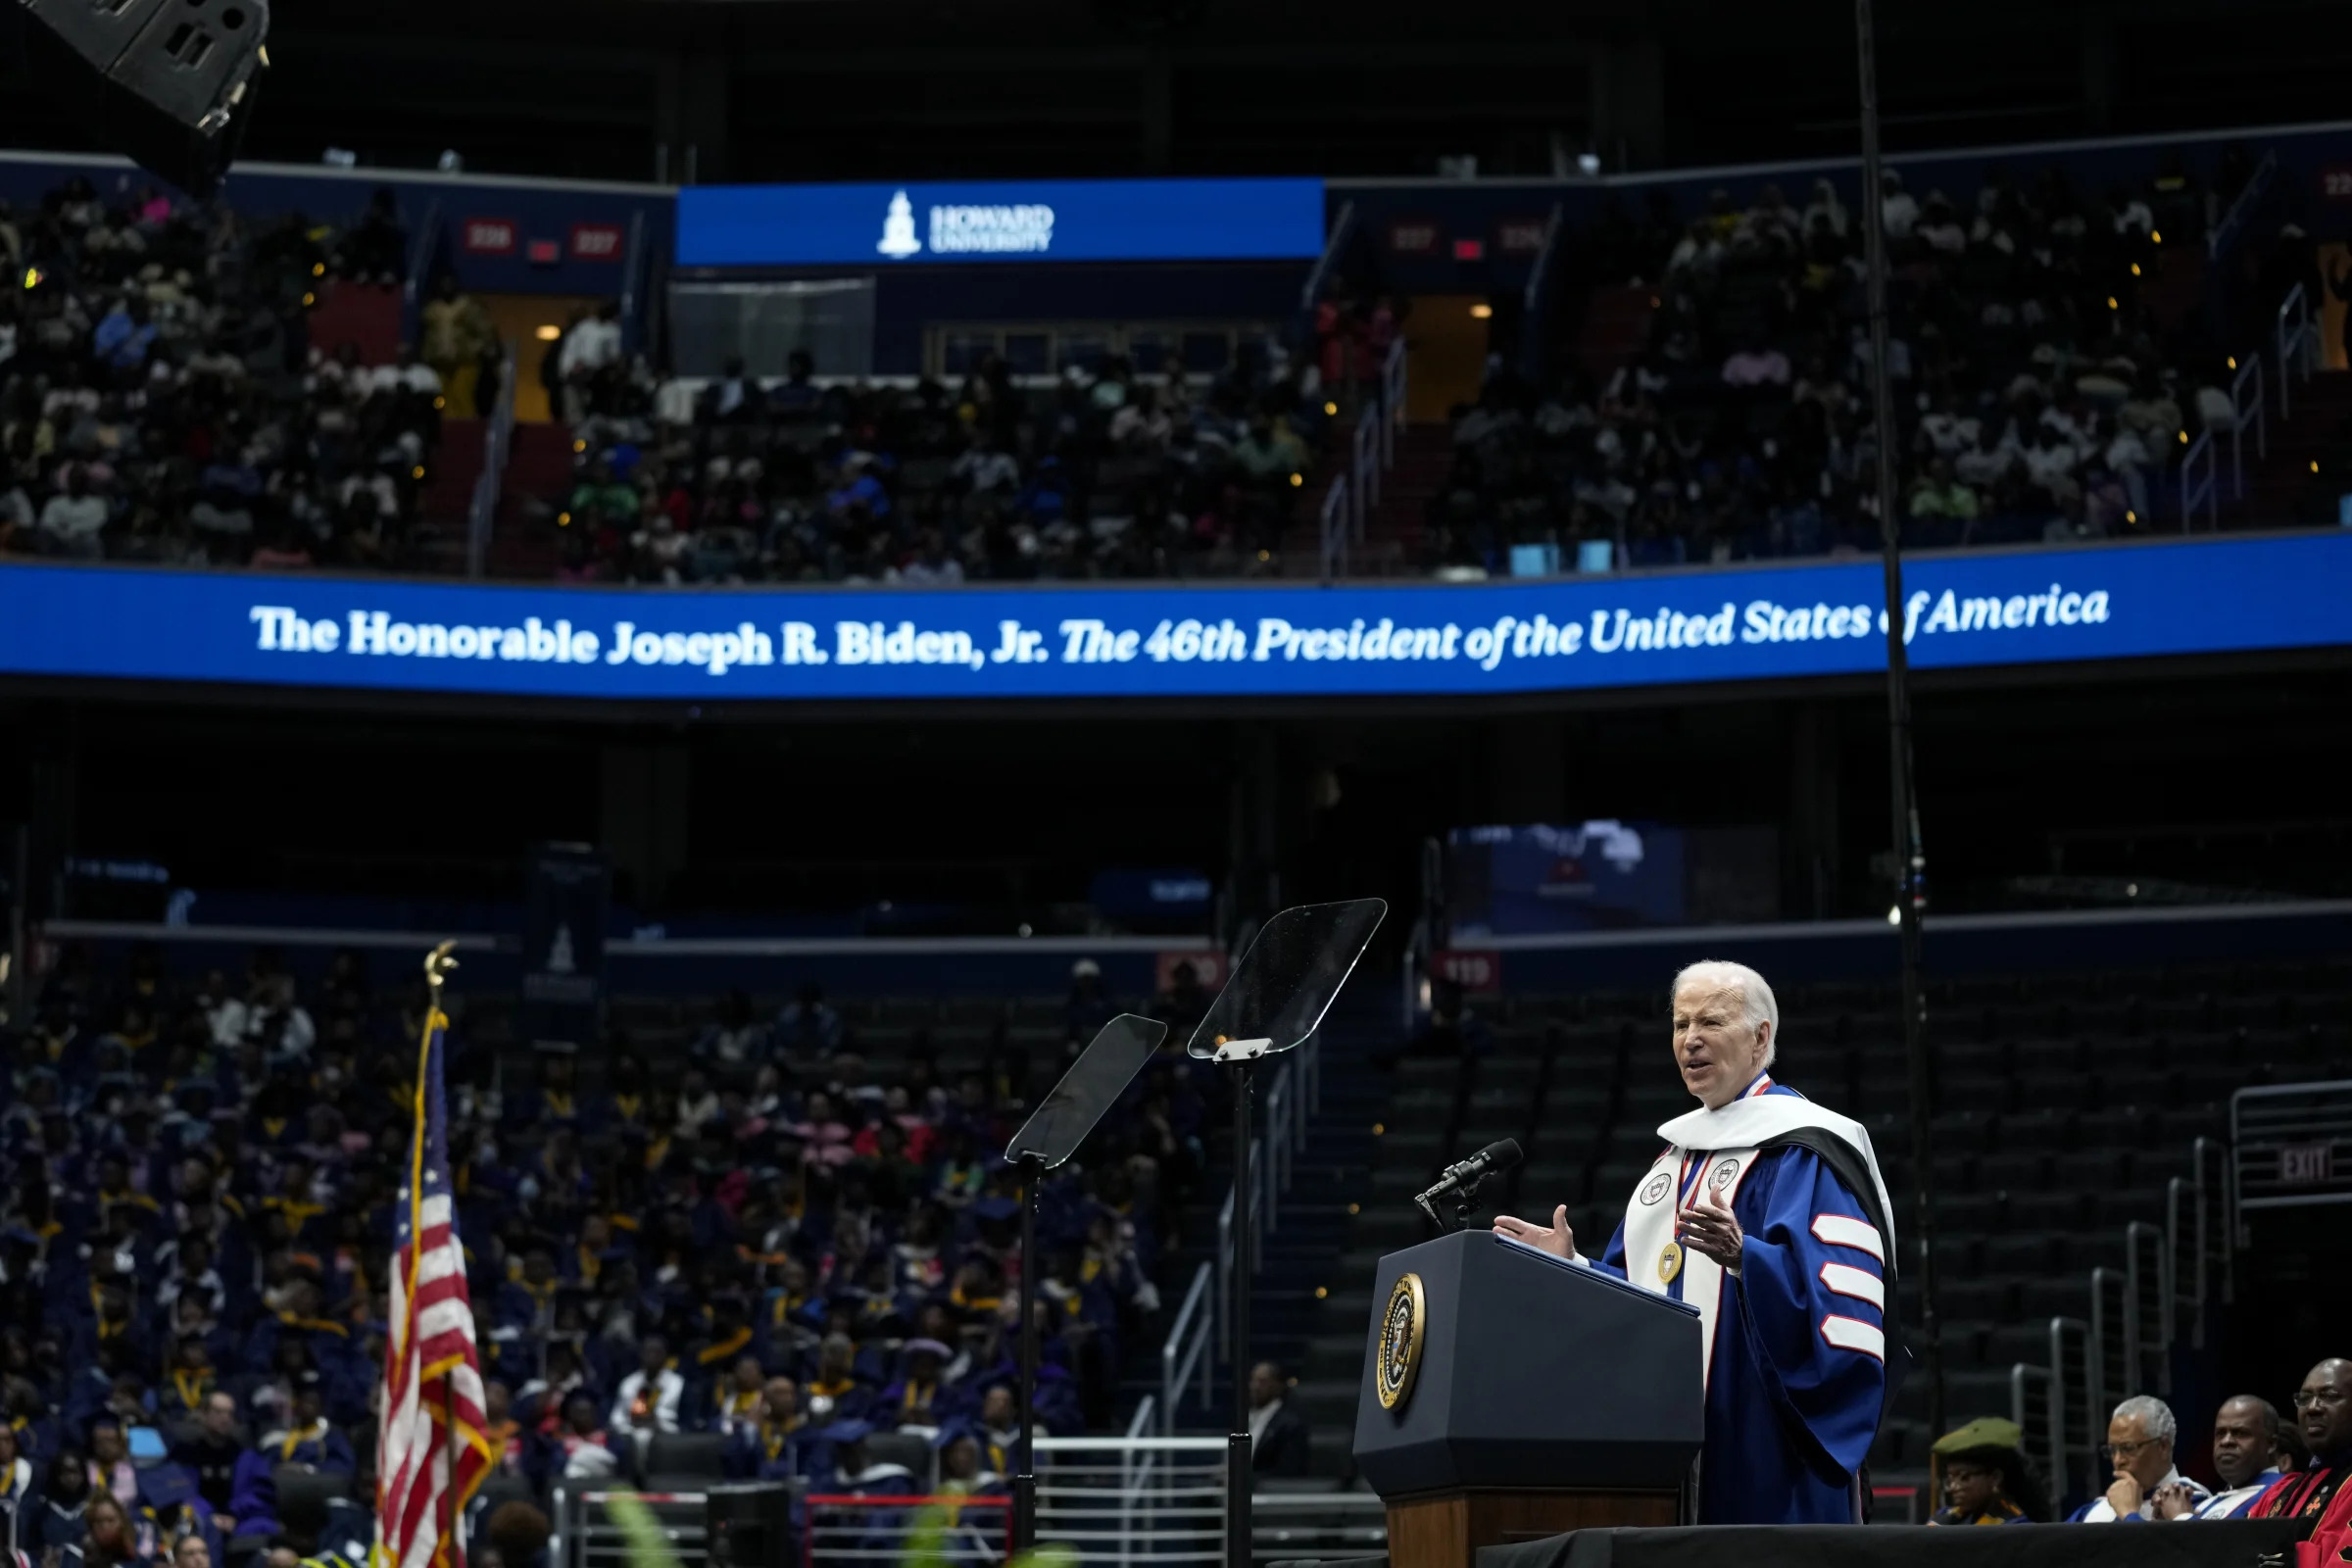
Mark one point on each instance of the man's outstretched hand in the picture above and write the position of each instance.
(1558, 1239)
(1708, 1226)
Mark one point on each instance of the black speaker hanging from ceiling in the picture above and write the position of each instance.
(169, 84)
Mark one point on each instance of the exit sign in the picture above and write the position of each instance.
(2306, 1165)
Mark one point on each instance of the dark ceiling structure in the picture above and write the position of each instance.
(705, 90)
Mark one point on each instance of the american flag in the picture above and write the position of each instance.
(432, 1452)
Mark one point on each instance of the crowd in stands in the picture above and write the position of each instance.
(761, 1236)
(1103, 473)
(161, 399)
(2043, 389)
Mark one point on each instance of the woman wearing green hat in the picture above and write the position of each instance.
(1981, 1475)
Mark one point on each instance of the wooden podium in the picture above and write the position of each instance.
(1511, 1396)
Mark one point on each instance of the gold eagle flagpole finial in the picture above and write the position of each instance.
(437, 964)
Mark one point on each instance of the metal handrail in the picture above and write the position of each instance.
(2062, 1450)
(1391, 401)
(2104, 1343)
(1279, 1149)
(1364, 470)
(1335, 529)
(422, 250)
(2138, 1343)
(2136, 1316)
(1534, 302)
(2065, 1448)
(2297, 346)
(482, 515)
(1534, 297)
(2258, 180)
(1186, 1348)
(2022, 1373)
(2247, 398)
(2175, 1194)
(2313, 1119)
(2194, 492)
(1321, 270)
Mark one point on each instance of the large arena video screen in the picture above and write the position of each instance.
(1021, 220)
(1235, 641)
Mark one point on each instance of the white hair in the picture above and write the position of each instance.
(2155, 1417)
(1756, 999)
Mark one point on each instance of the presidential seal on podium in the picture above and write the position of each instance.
(1404, 1324)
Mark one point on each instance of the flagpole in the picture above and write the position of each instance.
(437, 964)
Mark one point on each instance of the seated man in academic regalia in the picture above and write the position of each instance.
(732, 1402)
(2139, 1444)
(301, 1319)
(781, 1445)
(970, 1538)
(60, 1520)
(2319, 1490)
(964, 1463)
(721, 1336)
(856, 1473)
(1768, 1215)
(309, 1439)
(833, 1393)
(2252, 1450)
(107, 1336)
(998, 1429)
(539, 1403)
(189, 1383)
(526, 1301)
(116, 1194)
(209, 1452)
(918, 1397)
(168, 1494)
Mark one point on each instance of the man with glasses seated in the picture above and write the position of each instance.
(2324, 1410)
(2139, 1444)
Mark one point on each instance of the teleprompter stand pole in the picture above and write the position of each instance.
(1911, 861)
(1237, 1442)
(1024, 1479)
(1056, 1128)
(1273, 1002)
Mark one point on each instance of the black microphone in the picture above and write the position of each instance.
(1463, 1177)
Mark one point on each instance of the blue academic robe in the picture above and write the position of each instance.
(760, 1453)
(1799, 1375)
(326, 1450)
(876, 1531)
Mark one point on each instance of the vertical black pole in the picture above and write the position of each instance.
(1911, 862)
(1025, 1480)
(1237, 1445)
(20, 918)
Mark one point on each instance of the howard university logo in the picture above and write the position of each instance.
(1654, 1188)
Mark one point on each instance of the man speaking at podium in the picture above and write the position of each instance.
(1768, 1215)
